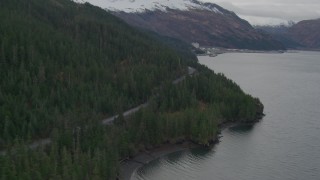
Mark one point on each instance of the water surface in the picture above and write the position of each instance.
(285, 145)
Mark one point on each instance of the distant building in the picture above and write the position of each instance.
(196, 45)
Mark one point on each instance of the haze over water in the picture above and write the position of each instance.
(285, 145)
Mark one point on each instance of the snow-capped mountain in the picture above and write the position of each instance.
(191, 21)
(133, 6)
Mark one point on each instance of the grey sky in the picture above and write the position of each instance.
(272, 11)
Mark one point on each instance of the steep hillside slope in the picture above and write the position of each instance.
(302, 35)
(306, 33)
(194, 21)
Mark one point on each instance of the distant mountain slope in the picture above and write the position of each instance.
(304, 34)
(193, 21)
(280, 33)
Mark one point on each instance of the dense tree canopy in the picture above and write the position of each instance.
(59, 59)
(66, 66)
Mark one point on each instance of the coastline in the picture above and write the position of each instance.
(221, 128)
(213, 52)
(130, 166)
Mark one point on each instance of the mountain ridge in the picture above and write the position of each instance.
(205, 23)
(302, 35)
(131, 6)
(307, 33)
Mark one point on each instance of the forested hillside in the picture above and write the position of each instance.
(65, 66)
(59, 59)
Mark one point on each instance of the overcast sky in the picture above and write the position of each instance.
(272, 11)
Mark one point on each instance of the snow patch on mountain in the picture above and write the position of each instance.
(130, 6)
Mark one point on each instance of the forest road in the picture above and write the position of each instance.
(110, 120)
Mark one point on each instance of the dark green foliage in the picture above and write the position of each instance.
(183, 48)
(209, 88)
(65, 67)
(58, 164)
(60, 59)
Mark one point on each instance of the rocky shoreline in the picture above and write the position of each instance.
(129, 166)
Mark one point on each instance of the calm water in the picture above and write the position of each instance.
(284, 145)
